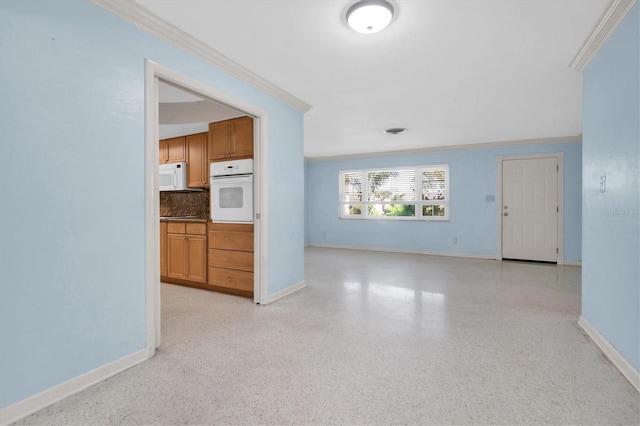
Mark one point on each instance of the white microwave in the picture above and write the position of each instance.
(173, 177)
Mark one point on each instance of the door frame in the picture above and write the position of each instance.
(153, 73)
(559, 156)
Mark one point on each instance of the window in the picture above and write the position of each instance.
(409, 193)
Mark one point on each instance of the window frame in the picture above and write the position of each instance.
(418, 202)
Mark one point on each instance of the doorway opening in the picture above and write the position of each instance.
(530, 207)
(185, 105)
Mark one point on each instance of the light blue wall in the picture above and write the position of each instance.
(611, 222)
(472, 219)
(72, 274)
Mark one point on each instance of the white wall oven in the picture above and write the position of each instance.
(232, 191)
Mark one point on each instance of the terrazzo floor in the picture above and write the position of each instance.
(374, 338)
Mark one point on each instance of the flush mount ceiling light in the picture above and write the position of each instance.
(395, 130)
(369, 16)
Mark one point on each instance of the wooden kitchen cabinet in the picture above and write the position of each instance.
(240, 260)
(240, 281)
(230, 139)
(187, 251)
(173, 150)
(197, 160)
(196, 258)
(176, 251)
(242, 137)
(163, 249)
(231, 257)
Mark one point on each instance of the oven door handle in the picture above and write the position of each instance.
(234, 180)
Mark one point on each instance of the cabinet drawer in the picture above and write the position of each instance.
(238, 260)
(240, 241)
(239, 280)
(176, 227)
(230, 227)
(196, 228)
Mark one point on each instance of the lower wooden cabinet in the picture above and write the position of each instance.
(240, 260)
(231, 257)
(163, 249)
(187, 251)
(229, 278)
(214, 256)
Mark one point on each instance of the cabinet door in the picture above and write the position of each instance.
(242, 137)
(176, 150)
(197, 161)
(176, 249)
(219, 140)
(196, 246)
(162, 151)
(163, 249)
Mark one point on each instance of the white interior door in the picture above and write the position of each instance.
(530, 209)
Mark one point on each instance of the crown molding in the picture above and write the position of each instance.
(564, 139)
(610, 20)
(142, 18)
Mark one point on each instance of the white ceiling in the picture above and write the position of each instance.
(452, 71)
(183, 113)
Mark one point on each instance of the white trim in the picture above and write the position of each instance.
(270, 298)
(499, 207)
(152, 208)
(261, 196)
(560, 230)
(615, 13)
(403, 251)
(573, 263)
(463, 147)
(627, 370)
(559, 156)
(142, 18)
(154, 71)
(37, 402)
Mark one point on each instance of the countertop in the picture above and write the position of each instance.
(182, 219)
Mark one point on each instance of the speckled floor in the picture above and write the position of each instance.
(375, 338)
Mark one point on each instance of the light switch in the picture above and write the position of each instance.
(603, 183)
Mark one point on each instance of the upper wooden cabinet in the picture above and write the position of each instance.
(197, 161)
(173, 150)
(231, 139)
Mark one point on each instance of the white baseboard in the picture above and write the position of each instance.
(572, 263)
(392, 250)
(52, 395)
(614, 356)
(284, 292)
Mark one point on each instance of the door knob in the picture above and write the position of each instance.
(505, 207)
(506, 214)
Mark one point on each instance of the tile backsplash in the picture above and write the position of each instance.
(190, 203)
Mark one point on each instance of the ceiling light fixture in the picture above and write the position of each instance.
(369, 16)
(395, 130)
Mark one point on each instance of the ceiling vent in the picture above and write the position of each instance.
(395, 130)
